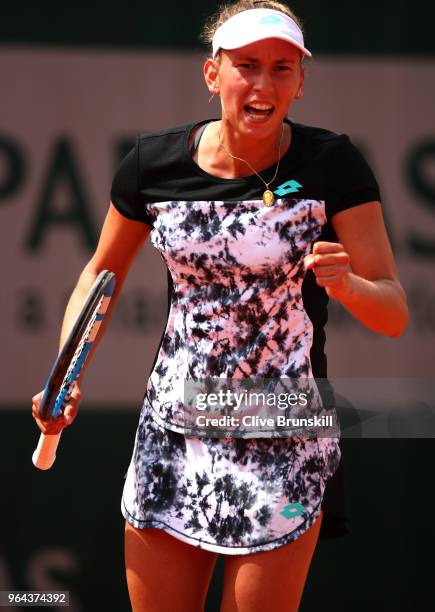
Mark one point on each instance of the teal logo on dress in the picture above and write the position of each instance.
(292, 510)
(270, 19)
(288, 187)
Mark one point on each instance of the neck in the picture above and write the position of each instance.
(259, 153)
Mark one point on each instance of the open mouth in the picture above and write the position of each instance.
(259, 110)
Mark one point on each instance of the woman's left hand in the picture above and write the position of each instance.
(331, 266)
(359, 271)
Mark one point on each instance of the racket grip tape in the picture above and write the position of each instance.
(45, 453)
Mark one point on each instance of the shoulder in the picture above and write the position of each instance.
(163, 148)
(153, 142)
(176, 135)
(321, 142)
(332, 155)
(335, 168)
(171, 132)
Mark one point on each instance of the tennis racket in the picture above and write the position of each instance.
(69, 363)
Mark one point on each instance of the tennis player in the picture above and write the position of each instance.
(260, 221)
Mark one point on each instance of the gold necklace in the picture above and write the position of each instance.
(268, 197)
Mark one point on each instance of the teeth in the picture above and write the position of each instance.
(258, 106)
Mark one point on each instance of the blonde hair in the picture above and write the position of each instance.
(225, 11)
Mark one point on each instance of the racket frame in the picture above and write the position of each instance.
(52, 402)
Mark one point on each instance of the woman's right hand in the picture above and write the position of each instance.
(63, 420)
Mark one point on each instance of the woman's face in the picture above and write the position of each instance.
(257, 85)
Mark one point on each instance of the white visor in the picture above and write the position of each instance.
(257, 24)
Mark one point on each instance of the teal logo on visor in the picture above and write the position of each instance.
(288, 187)
(292, 510)
(270, 20)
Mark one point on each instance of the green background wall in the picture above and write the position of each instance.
(384, 27)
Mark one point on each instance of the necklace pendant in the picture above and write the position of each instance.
(268, 198)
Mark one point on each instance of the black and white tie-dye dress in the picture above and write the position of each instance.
(240, 306)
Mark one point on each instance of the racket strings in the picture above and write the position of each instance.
(72, 372)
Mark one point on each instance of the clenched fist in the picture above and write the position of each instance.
(331, 266)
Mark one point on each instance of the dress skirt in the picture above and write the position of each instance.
(228, 495)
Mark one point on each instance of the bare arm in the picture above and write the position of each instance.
(360, 271)
(119, 242)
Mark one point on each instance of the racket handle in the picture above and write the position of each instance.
(45, 453)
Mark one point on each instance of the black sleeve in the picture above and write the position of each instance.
(125, 193)
(351, 180)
